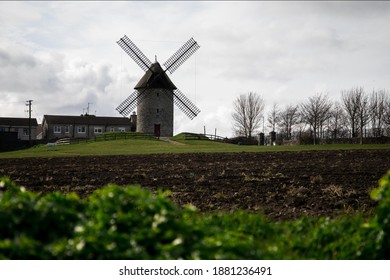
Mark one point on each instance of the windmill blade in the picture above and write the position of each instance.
(185, 104)
(131, 102)
(178, 58)
(128, 105)
(135, 53)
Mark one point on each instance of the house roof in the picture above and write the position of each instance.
(85, 120)
(155, 77)
(6, 121)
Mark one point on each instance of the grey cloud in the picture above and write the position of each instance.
(23, 72)
(65, 53)
(53, 81)
(103, 77)
(16, 59)
(4, 58)
(353, 9)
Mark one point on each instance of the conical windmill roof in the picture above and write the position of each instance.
(155, 77)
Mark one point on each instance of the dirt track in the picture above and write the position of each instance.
(283, 185)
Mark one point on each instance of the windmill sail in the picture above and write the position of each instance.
(135, 53)
(131, 102)
(185, 104)
(179, 57)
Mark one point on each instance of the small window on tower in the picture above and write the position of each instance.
(158, 110)
(158, 94)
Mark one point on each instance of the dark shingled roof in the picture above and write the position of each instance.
(86, 120)
(17, 122)
(155, 78)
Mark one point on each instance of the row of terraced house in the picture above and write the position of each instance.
(14, 131)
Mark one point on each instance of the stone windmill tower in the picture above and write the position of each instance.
(155, 94)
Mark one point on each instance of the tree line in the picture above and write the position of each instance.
(358, 114)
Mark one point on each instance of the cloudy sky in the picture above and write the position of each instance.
(64, 55)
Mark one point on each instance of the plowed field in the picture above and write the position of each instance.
(282, 185)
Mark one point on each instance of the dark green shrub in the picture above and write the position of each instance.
(113, 223)
(324, 238)
(382, 196)
(132, 223)
(239, 235)
(30, 224)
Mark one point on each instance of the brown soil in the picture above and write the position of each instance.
(282, 185)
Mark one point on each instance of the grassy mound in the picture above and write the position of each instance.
(189, 136)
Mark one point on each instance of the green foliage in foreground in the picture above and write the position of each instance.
(132, 223)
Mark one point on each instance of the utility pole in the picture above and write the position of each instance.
(28, 103)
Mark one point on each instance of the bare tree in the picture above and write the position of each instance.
(363, 110)
(386, 117)
(337, 121)
(247, 114)
(273, 117)
(287, 119)
(351, 108)
(315, 112)
(377, 110)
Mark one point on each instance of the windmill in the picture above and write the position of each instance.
(155, 94)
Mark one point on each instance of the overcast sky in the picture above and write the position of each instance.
(64, 55)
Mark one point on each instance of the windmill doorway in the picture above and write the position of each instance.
(157, 130)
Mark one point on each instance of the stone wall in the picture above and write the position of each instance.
(156, 110)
